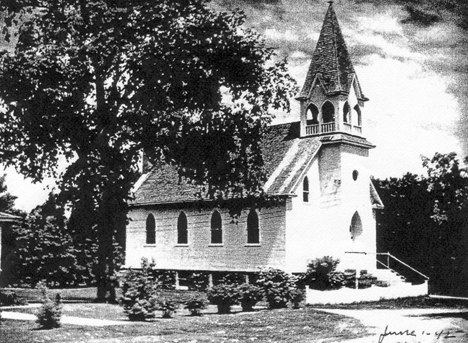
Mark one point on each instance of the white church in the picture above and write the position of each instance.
(314, 165)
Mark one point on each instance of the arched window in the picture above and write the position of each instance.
(312, 115)
(305, 189)
(182, 232)
(150, 230)
(346, 113)
(356, 226)
(253, 231)
(328, 112)
(357, 110)
(216, 228)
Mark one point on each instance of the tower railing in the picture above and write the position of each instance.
(317, 129)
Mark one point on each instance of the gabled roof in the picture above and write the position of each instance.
(285, 156)
(331, 61)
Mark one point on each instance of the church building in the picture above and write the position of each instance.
(314, 165)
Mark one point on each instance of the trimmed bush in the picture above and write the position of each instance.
(277, 286)
(249, 296)
(297, 296)
(50, 312)
(199, 281)
(139, 293)
(224, 296)
(322, 275)
(165, 278)
(168, 307)
(195, 305)
(233, 279)
(10, 298)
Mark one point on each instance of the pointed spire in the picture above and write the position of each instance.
(330, 59)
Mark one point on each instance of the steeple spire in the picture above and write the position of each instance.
(331, 61)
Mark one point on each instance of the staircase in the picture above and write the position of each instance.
(389, 276)
(390, 285)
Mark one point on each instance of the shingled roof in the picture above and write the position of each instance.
(331, 62)
(285, 154)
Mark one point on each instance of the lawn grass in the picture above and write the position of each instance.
(286, 325)
(67, 294)
(401, 303)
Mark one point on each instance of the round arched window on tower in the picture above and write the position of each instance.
(355, 174)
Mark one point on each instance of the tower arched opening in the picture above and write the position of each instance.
(312, 115)
(328, 112)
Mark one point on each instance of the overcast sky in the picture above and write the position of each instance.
(415, 77)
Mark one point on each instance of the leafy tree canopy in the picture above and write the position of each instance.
(91, 79)
(425, 221)
(95, 82)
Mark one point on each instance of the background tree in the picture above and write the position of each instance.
(7, 203)
(425, 222)
(95, 82)
(44, 250)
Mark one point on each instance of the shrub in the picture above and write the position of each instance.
(322, 275)
(199, 281)
(366, 280)
(166, 278)
(50, 312)
(224, 296)
(249, 296)
(139, 292)
(195, 305)
(10, 298)
(168, 307)
(233, 278)
(277, 286)
(297, 296)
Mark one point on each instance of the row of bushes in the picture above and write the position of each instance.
(141, 296)
(321, 275)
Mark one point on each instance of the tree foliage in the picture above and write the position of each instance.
(95, 82)
(44, 250)
(425, 221)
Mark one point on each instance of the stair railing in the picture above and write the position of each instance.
(390, 256)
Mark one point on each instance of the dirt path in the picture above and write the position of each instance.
(411, 325)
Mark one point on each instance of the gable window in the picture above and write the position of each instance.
(150, 230)
(253, 231)
(182, 233)
(305, 189)
(216, 228)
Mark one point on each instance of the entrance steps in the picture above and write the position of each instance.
(389, 276)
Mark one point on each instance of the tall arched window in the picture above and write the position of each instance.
(150, 230)
(253, 231)
(305, 189)
(182, 232)
(216, 228)
(346, 113)
(357, 110)
(328, 112)
(356, 226)
(312, 115)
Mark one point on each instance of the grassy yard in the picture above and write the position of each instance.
(263, 326)
(285, 325)
(402, 303)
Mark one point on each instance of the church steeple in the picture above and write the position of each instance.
(331, 91)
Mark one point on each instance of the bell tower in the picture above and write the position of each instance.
(331, 98)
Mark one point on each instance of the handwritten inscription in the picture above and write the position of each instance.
(442, 334)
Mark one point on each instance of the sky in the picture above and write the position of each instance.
(415, 77)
